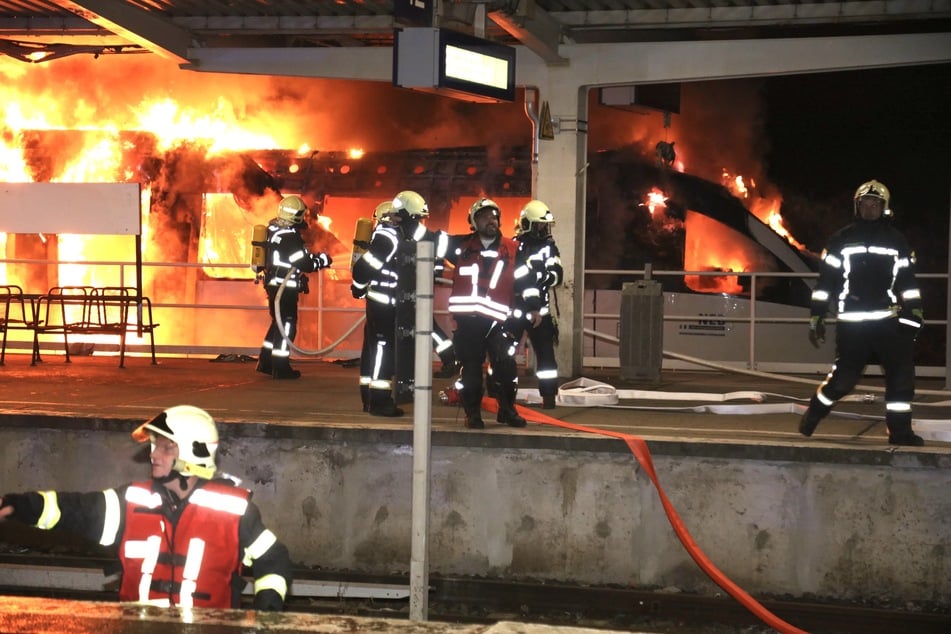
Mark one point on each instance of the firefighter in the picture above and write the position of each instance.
(375, 281)
(867, 274)
(538, 268)
(480, 302)
(287, 259)
(183, 536)
(376, 277)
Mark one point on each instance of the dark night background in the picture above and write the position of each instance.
(827, 133)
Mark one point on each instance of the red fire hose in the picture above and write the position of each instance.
(639, 448)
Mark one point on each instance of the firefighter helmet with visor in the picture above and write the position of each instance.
(535, 216)
(873, 189)
(291, 210)
(410, 203)
(383, 211)
(479, 205)
(193, 430)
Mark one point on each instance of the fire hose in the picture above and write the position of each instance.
(640, 451)
(280, 324)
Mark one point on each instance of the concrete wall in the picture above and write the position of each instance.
(779, 520)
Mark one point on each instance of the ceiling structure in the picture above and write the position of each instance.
(41, 30)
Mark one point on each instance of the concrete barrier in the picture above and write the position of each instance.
(835, 522)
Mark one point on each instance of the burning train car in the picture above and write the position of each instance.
(719, 264)
(198, 210)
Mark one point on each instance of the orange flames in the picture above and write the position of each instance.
(710, 246)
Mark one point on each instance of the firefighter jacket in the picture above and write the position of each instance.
(376, 274)
(288, 257)
(537, 270)
(188, 553)
(867, 273)
(483, 280)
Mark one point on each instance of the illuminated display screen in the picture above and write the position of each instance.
(475, 67)
(472, 65)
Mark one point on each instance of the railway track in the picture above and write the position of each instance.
(469, 600)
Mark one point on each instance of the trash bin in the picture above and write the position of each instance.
(641, 340)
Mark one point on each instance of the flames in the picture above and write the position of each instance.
(710, 246)
(84, 120)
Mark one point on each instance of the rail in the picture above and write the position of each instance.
(232, 319)
(936, 303)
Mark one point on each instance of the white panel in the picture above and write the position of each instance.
(417, 58)
(77, 208)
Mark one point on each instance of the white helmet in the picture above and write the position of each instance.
(534, 212)
(291, 210)
(193, 430)
(874, 189)
(479, 205)
(411, 203)
(383, 210)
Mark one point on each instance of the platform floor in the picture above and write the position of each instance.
(93, 387)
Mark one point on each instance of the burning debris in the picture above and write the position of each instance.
(677, 221)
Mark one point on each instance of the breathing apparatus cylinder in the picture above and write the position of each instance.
(258, 248)
(361, 239)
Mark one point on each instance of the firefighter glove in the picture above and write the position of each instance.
(817, 331)
(323, 260)
(358, 292)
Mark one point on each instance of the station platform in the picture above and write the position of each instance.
(561, 500)
(93, 387)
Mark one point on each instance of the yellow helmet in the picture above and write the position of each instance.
(479, 205)
(291, 210)
(534, 212)
(383, 210)
(875, 189)
(411, 203)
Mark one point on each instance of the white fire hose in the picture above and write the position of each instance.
(290, 344)
(586, 392)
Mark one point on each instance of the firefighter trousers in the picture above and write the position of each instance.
(377, 357)
(474, 338)
(275, 351)
(860, 343)
(542, 338)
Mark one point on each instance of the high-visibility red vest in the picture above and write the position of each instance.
(190, 563)
(483, 280)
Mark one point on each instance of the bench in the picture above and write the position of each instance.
(15, 313)
(92, 310)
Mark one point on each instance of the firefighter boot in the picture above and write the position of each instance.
(264, 362)
(472, 404)
(812, 416)
(381, 404)
(899, 430)
(508, 415)
(548, 401)
(281, 369)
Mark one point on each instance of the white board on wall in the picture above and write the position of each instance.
(76, 208)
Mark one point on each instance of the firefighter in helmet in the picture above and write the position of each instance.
(287, 260)
(538, 271)
(480, 302)
(867, 277)
(376, 277)
(182, 536)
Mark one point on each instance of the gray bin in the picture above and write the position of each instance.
(641, 340)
